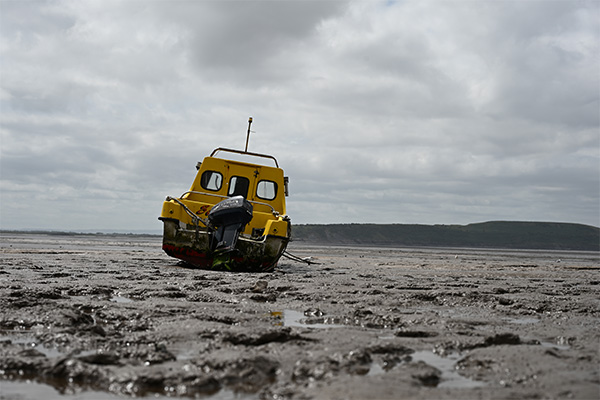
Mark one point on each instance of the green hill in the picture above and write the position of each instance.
(495, 234)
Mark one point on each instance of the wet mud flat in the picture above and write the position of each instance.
(95, 317)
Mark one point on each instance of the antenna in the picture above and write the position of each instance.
(248, 135)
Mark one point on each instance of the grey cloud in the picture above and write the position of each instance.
(29, 21)
(410, 111)
(241, 40)
(542, 63)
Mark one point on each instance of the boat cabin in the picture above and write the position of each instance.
(264, 186)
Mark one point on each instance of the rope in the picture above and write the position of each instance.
(299, 259)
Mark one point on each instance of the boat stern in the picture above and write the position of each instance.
(222, 244)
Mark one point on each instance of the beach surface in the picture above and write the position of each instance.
(111, 316)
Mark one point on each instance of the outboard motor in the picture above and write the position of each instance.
(229, 217)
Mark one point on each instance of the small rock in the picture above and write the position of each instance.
(264, 298)
(101, 359)
(260, 286)
(502, 338)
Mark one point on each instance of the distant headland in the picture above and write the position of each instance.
(493, 234)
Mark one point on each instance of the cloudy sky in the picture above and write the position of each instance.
(430, 112)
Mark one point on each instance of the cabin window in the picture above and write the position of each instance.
(238, 186)
(211, 180)
(266, 190)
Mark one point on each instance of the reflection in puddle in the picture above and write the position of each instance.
(115, 299)
(120, 299)
(522, 321)
(447, 366)
(297, 319)
(555, 346)
(33, 390)
(29, 342)
(449, 378)
(26, 390)
(184, 353)
(375, 369)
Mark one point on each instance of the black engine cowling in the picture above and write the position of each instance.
(229, 217)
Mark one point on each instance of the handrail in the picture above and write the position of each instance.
(275, 212)
(195, 218)
(204, 193)
(215, 151)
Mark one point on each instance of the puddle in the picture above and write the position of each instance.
(447, 366)
(555, 346)
(29, 390)
(522, 321)
(120, 299)
(375, 369)
(30, 343)
(185, 354)
(93, 298)
(297, 319)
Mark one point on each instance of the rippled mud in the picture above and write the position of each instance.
(94, 317)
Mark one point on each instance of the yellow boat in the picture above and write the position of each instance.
(233, 217)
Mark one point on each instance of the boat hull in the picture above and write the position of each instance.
(193, 245)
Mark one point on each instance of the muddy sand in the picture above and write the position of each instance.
(95, 317)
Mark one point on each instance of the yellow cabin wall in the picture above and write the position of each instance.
(230, 168)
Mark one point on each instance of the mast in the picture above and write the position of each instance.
(248, 135)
